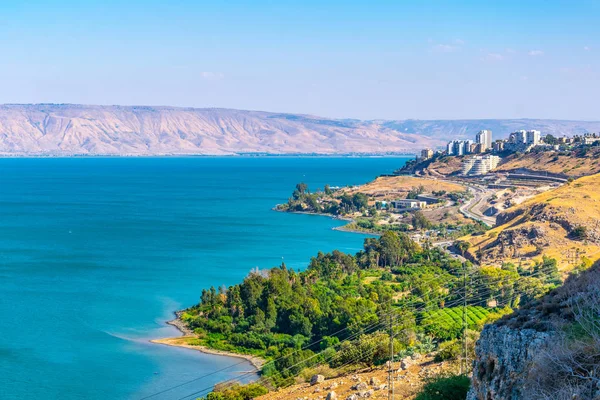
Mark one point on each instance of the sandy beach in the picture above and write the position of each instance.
(188, 335)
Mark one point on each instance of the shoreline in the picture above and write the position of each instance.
(187, 334)
(336, 228)
(350, 230)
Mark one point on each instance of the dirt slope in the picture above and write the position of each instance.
(575, 163)
(547, 224)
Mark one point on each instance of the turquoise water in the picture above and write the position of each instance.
(95, 254)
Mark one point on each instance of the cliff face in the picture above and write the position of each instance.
(548, 349)
(504, 357)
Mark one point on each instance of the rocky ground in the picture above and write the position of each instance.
(409, 375)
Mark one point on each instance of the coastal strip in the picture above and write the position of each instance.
(188, 335)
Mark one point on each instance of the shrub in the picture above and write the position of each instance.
(452, 387)
(237, 392)
(450, 350)
(579, 232)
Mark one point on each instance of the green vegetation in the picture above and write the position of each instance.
(237, 392)
(336, 312)
(452, 387)
(371, 215)
(447, 323)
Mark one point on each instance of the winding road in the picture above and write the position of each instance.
(471, 209)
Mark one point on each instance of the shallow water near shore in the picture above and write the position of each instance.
(96, 254)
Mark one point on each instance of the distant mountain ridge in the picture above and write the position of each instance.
(70, 129)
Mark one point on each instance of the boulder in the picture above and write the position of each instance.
(360, 386)
(317, 379)
(374, 381)
(331, 396)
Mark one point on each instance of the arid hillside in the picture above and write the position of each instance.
(437, 168)
(117, 130)
(401, 185)
(571, 163)
(576, 163)
(370, 383)
(69, 129)
(563, 223)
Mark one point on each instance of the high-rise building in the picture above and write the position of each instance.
(468, 146)
(518, 137)
(533, 137)
(459, 148)
(450, 148)
(498, 146)
(426, 154)
(484, 137)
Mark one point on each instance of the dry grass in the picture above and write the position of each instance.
(406, 386)
(387, 185)
(575, 165)
(543, 225)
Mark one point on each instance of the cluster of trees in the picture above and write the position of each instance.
(322, 201)
(276, 314)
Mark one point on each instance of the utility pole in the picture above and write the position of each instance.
(464, 369)
(391, 369)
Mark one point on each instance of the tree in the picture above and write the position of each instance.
(302, 187)
(420, 221)
(462, 246)
(550, 139)
(390, 248)
(360, 201)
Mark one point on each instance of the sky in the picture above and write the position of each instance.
(340, 59)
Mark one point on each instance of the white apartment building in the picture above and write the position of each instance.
(533, 137)
(530, 138)
(480, 165)
(484, 137)
(458, 147)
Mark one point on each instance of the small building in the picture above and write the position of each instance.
(429, 199)
(588, 140)
(407, 204)
(426, 154)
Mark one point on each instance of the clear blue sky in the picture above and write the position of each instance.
(367, 59)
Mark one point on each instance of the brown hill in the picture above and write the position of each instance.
(575, 163)
(563, 223)
(116, 130)
(69, 129)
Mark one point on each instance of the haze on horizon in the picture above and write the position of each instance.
(375, 60)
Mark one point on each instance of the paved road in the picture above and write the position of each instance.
(471, 208)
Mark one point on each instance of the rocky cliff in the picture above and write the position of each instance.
(504, 357)
(548, 349)
(68, 129)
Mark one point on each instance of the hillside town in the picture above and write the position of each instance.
(483, 155)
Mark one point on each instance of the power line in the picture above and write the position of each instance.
(232, 381)
(487, 282)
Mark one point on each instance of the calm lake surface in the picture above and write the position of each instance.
(96, 254)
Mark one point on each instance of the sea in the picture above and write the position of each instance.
(97, 253)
